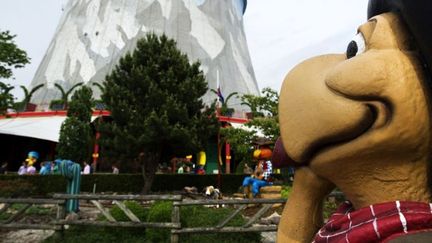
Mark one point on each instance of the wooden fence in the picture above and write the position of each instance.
(60, 219)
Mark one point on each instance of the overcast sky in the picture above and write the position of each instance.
(280, 33)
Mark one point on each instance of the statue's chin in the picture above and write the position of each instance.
(347, 148)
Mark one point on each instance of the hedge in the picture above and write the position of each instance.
(37, 185)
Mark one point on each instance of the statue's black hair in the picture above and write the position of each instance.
(417, 14)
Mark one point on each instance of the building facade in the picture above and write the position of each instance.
(94, 34)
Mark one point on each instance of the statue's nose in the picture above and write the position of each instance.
(280, 158)
(312, 115)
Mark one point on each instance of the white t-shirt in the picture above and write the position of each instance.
(86, 170)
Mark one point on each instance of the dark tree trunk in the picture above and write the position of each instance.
(149, 163)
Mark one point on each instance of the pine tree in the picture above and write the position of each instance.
(154, 95)
(75, 133)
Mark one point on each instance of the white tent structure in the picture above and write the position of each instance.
(45, 128)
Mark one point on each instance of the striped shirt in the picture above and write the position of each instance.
(376, 223)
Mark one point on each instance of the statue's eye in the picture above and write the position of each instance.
(356, 46)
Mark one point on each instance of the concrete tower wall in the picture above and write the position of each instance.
(94, 34)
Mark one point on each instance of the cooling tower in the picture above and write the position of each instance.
(94, 34)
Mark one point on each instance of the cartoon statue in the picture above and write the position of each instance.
(361, 122)
(32, 157)
(262, 173)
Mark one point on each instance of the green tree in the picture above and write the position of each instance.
(154, 95)
(265, 118)
(265, 112)
(241, 143)
(6, 98)
(10, 55)
(264, 105)
(75, 133)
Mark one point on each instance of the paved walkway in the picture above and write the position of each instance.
(268, 237)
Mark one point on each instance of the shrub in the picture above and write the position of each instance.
(24, 186)
(286, 190)
(199, 216)
(134, 207)
(159, 212)
(57, 105)
(90, 234)
(191, 216)
(16, 188)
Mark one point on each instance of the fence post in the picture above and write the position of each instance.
(61, 214)
(175, 218)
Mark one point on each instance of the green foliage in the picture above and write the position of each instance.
(75, 137)
(81, 105)
(75, 133)
(191, 216)
(240, 141)
(329, 208)
(159, 212)
(57, 105)
(265, 105)
(199, 216)
(10, 55)
(90, 234)
(27, 97)
(225, 110)
(6, 98)
(65, 94)
(265, 112)
(134, 207)
(19, 106)
(154, 95)
(40, 210)
(11, 188)
(24, 186)
(265, 118)
(36, 185)
(286, 191)
(269, 126)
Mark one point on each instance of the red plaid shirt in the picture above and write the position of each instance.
(376, 223)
